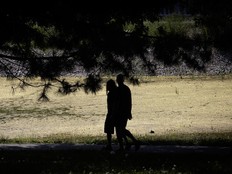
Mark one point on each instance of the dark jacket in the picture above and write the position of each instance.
(124, 102)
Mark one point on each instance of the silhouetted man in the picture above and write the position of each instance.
(123, 113)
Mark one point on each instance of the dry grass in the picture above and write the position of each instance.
(165, 105)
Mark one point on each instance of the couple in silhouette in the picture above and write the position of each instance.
(119, 105)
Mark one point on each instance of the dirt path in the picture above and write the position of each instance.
(159, 149)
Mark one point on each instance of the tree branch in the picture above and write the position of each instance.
(21, 58)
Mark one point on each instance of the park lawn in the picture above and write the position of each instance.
(189, 109)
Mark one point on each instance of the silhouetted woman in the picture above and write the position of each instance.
(109, 121)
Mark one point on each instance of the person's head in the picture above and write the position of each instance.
(120, 79)
(110, 85)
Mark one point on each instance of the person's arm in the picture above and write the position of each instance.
(129, 105)
(109, 105)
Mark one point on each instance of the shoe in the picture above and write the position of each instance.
(120, 150)
(108, 148)
(137, 146)
(128, 147)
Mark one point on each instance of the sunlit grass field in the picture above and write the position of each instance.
(187, 107)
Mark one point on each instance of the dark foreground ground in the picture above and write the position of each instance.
(76, 158)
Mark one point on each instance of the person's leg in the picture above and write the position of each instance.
(135, 141)
(127, 143)
(124, 132)
(109, 141)
(109, 130)
(119, 134)
(129, 134)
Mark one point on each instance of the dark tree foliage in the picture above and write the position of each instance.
(216, 16)
(48, 38)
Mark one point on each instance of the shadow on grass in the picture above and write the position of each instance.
(61, 160)
(98, 161)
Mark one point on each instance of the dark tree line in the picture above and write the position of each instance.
(47, 38)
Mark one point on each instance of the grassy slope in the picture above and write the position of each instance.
(190, 110)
